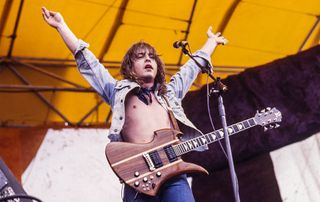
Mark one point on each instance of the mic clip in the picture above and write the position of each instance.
(180, 44)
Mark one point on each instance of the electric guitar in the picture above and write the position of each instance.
(145, 167)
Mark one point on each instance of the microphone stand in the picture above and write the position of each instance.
(219, 88)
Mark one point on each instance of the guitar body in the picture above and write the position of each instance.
(145, 167)
(131, 163)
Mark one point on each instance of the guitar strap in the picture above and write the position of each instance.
(171, 116)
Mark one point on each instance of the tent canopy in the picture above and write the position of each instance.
(40, 85)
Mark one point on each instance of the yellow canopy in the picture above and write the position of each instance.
(40, 85)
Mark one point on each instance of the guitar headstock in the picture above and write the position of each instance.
(268, 118)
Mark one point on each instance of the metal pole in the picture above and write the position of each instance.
(90, 112)
(48, 73)
(25, 81)
(14, 34)
(26, 88)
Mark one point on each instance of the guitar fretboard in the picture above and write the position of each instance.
(209, 138)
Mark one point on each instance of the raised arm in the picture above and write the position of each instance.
(212, 42)
(89, 66)
(55, 20)
(181, 82)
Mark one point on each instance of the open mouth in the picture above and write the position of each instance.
(148, 66)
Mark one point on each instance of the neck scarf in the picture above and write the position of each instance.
(144, 94)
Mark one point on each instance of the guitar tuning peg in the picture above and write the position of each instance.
(271, 126)
(263, 110)
(277, 125)
(265, 129)
(268, 108)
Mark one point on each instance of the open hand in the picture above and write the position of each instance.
(54, 19)
(219, 39)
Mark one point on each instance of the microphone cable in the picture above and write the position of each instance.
(212, 125)
(210, 117)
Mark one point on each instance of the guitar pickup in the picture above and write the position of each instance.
(170, 153)
(153, 160)
(155, 157)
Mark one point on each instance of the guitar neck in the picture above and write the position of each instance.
(212, 137)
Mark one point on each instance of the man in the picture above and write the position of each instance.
(140, 103)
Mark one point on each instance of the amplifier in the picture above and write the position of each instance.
(9, 186)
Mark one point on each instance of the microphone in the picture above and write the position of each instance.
(179, 44)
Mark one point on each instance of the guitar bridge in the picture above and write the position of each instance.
(153, 160)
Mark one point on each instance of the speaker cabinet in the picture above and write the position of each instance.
(9, 186)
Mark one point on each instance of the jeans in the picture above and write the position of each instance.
(176, 189)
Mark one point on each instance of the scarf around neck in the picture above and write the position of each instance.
(144, 94)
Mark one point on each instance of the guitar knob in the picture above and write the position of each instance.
(145, 179)
(136, 183)
(158, 174)
(136, 174)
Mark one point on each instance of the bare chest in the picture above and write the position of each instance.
(142, 120)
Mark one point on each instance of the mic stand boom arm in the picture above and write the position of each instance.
(219, 88)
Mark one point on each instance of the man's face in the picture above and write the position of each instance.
(145, 66)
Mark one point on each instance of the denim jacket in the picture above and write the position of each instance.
(114, 91)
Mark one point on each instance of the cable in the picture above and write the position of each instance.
(210, 117)
(4, 199)
(189, 47)
(209, 114)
